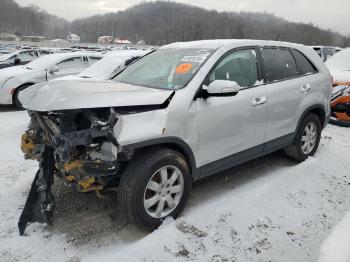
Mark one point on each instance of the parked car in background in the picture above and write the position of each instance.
(6, 49)
(17, 78)
(338, 49)
(177, 115)
(3, 52)
(21, 57)
(107, 67)
(325, 52)
(339, 67)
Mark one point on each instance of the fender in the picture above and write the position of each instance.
(174, 143)
(324, 119)
(26, 85)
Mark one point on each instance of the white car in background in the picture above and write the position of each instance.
(20, 57)
(339, 67)
(325, 52)
(17, 78)
(109, 66)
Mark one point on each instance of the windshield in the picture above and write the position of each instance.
(105, 67)
(340, 61)
(42, 62)
(165, 68)
(4, 57)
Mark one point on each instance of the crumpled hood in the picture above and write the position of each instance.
(65, 95)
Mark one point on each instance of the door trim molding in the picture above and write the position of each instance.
(245, 156)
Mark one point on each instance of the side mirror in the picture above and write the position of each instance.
(53, 70)
(16, 61)
(223, 88)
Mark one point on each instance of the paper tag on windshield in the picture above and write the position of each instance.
(183, 68)
(194, 59)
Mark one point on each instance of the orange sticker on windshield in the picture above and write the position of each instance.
(183, 68)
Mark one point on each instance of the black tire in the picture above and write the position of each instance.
(295, 151)
(134, 181)
(15, 99)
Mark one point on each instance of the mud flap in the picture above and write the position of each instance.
(40, 202)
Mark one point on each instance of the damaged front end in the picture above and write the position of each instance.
(77, 145)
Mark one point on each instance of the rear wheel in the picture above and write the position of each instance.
(154, 186)
(15, 99)
(306, 140)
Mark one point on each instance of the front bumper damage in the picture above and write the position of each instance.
(77, 145)
(40, 202)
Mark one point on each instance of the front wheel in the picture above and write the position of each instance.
(306, 140)
(154, 186)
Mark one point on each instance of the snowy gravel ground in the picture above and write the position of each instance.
(336, 248)
(269, 209)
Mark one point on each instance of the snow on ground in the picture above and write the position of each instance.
(270, 209)
(336, 248)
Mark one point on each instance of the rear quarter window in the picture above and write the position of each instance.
(279, 64)
(94, 59)
(304, 66)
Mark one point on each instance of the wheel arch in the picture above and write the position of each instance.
(174, 143)
(318, 110)
(17, 88)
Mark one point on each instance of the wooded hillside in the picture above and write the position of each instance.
(165, 22)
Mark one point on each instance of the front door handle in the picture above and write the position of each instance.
(305, 88)
(259, 101)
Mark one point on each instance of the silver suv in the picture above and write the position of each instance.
(179, 114)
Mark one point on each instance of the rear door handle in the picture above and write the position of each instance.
(305, 88)
(259, 101)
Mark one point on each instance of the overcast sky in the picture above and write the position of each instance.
(334, 14)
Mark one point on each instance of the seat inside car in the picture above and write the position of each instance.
(240, 70)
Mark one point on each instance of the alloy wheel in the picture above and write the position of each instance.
(163, 191)
(309, 137)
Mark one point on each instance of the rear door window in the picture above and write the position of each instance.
(304, 65)
(73, 65)
(70, 63)
(27, 56)
(279, 64)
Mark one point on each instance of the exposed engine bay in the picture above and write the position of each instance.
(83, 135)
(76, 145)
